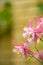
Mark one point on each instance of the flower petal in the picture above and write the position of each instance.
(29, 23)
(25, 29)
(38, 20)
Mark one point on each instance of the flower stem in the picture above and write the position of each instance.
(36, 49)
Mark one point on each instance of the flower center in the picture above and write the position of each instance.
(29, 35)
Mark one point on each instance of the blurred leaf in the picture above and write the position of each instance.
(40, 6)
(5, 19)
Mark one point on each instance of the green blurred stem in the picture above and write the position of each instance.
(36, 49)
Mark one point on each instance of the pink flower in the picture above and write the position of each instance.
(19, 48)
(22, 49)
(29, 32)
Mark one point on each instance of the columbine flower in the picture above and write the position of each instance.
(21, 49)
(29, 32)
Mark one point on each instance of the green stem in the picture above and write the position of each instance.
(36, 49)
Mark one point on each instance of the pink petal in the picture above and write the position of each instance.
(36, 55)
(14, 50)
(38, 20)
(15, 43)
(29, 23)
(41, 19)
(38, 30)
(25, 29)
(25, 44)
(41, 54)
(28, 51)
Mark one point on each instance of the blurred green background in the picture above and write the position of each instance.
(14, 16)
